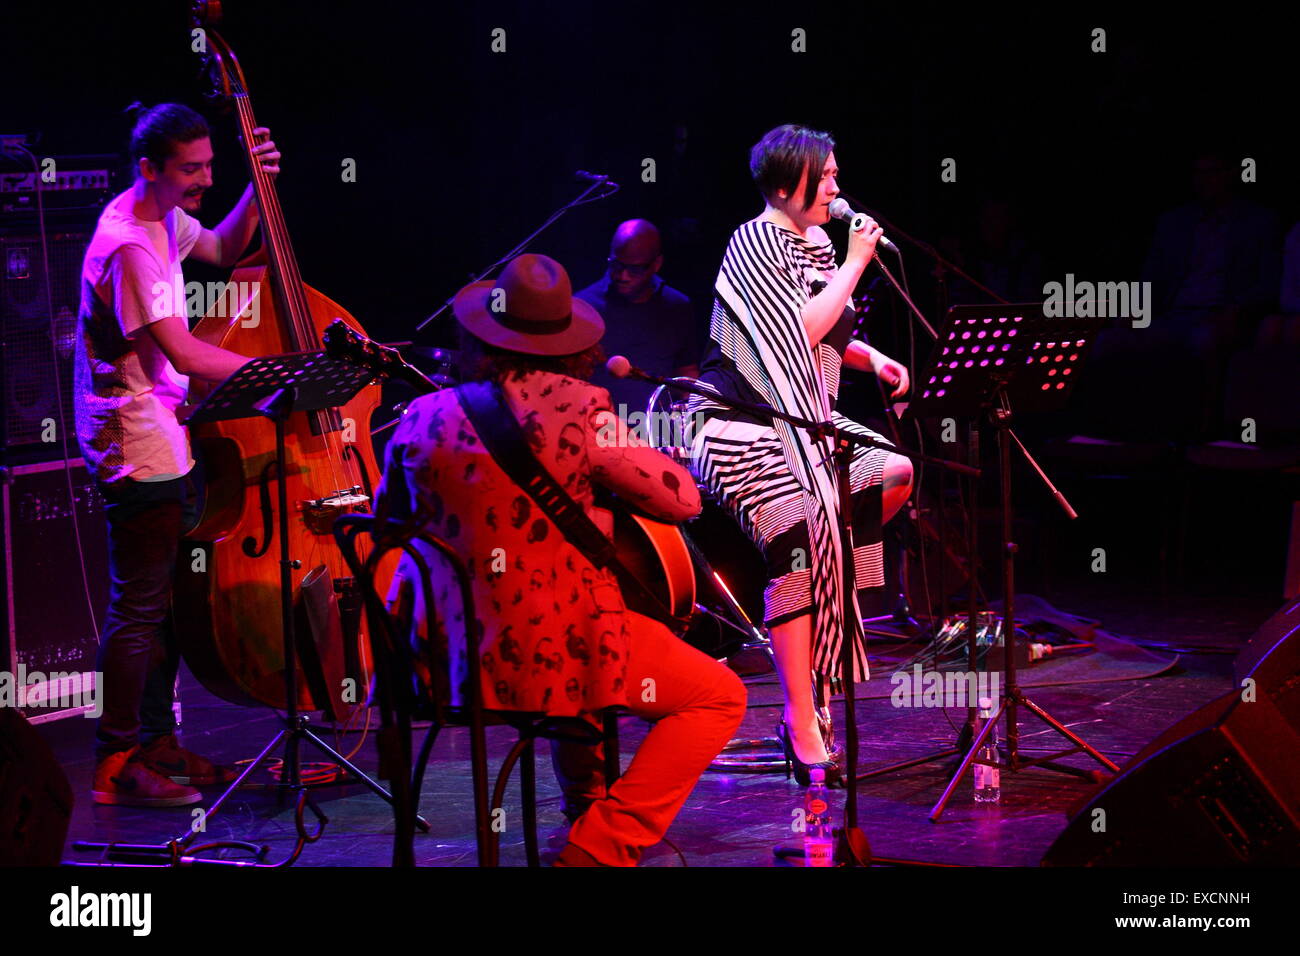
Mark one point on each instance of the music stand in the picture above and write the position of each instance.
(274, 387)
(987, 359)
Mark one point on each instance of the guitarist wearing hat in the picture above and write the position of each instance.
(557, 636)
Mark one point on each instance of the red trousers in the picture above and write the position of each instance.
(697, 705)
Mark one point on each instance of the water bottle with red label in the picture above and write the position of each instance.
(988, 785)
(818, 840)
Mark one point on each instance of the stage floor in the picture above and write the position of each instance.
(730, 819)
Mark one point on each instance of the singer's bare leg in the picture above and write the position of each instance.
(897, 486)
(792, 649)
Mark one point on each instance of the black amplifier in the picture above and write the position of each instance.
(68, 184)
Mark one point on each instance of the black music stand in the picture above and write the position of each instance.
(274, 387)
(987, 359)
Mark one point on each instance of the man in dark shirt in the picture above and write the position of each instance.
(645, 319)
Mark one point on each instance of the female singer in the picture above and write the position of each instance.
(780, 331)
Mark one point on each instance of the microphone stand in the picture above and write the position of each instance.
(598, 182)
(851, 846)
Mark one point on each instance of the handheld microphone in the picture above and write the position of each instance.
(856, 220)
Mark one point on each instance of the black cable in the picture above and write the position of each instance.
(680, 855)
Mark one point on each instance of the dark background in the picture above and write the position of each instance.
(461, 152)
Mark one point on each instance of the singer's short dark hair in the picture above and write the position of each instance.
(781, 156)
(159, 130)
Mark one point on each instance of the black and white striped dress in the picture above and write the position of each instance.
(778, 483)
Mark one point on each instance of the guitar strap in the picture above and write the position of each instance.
(486, 408)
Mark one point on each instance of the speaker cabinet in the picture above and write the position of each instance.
(36, 348)
(35, 798)
(1219, 788)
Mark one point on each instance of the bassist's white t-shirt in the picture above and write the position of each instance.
(126, 392)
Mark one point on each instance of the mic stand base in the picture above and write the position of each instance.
(851, 847)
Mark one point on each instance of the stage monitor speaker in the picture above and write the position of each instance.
(50, 635)
(35, 798)
(1271, 658)
(1219, 788)
(35, 348)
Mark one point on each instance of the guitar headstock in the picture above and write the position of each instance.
(348, 345)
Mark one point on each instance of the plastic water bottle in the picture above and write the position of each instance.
(988, 784)
(818, 840)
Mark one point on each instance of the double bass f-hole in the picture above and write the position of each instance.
(250, 545)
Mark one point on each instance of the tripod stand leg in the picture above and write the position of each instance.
(914, 762)
(351, 768)
(238, 782)
(741, 754)
(760, 638)
(1070, 735)
(966, 761)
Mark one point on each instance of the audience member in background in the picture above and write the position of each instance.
(997, 255)
(1213, 264)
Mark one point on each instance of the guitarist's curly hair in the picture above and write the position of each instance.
(481, 362)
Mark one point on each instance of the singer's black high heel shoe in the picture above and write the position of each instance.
(801, 770)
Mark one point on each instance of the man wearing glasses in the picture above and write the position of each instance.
(645, 319)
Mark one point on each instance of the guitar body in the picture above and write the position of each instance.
(656, 554)
(230, 613)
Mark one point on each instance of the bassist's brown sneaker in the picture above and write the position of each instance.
(124, 779)
(166, 756)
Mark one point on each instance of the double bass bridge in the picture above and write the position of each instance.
(321, 513)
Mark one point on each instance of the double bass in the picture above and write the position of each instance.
(228, 599)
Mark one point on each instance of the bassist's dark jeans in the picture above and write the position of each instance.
(138, 654)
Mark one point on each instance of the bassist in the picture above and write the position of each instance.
(134, 353)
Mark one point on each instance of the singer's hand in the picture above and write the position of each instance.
(862, 243)
(895, 374)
